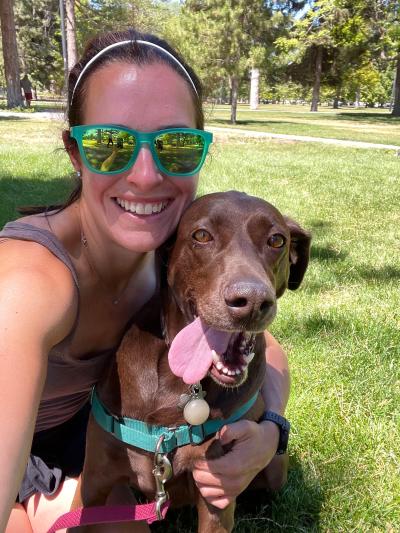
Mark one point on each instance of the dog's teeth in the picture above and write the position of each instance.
(249, 357)
(219, 365)
(232, 373)
(225, 370)
(215, 356)
(238, 371)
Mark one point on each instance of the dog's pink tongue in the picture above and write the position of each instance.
(190, 355)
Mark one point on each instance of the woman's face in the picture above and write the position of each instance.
(143, 98)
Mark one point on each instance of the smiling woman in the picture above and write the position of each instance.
(76, 276)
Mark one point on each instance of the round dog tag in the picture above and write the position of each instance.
(196, 411)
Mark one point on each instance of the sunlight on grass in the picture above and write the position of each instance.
(369, 125)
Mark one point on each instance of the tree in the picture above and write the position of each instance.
(217, 37)
(70, 31)
(314, 37)
(388, 23)
(39, 42)
(10, 54)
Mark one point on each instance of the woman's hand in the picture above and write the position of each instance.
(221, 480)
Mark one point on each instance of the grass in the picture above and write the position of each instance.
(369, 125)
(341, 328)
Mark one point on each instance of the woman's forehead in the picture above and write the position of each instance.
(145, 97)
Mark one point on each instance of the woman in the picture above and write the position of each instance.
(71, 279)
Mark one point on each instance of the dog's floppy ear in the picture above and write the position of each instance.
(299, 254)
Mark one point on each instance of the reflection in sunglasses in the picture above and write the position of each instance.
(113, 149)
(108, 151)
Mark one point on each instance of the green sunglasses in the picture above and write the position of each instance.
(108, 149)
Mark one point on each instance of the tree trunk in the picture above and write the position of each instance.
(234, 97)
(10, 54)
(358, 97)
(70, 27)
(317, 81)
(254, 86)
(396, 105)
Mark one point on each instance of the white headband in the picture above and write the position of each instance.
(121, 43)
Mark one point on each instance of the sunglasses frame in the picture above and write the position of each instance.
(141, 138)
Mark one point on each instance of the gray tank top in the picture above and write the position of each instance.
(69, 380)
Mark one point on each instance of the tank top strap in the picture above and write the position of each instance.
(28, 232)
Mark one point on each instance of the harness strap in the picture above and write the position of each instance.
(145, 436)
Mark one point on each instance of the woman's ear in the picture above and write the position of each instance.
(299, 253)
(72, 150)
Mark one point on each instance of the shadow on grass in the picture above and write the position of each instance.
(326, 253)
(295, 508)
(319, 226)
(23, 191)
(13, 117)
(345, 324)
(256, 123)
(386, 273)
(372, 118)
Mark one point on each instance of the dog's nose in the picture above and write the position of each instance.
(248, 300)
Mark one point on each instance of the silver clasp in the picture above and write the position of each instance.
(162, 472)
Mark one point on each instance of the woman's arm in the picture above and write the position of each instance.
(221, 480)
(276, 387)
(36, 311)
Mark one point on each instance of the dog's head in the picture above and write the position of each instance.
(234, 256)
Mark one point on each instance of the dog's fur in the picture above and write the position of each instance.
(232, 281)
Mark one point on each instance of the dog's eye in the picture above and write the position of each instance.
(276, 240)
(201, 235)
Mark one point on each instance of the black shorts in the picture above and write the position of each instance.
(56, 453)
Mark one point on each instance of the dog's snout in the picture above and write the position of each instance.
(248, 300)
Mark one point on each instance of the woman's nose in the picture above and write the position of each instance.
(144, 173)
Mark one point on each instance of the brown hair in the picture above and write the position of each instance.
(133, 52)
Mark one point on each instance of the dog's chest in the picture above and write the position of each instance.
(149, 391)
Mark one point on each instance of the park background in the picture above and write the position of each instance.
(326, 81)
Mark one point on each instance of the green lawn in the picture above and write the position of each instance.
(370, 125)
(341, 328)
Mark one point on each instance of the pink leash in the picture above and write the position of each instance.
(85, 516)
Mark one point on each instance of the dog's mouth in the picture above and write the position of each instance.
(230, 368)
(199, 350)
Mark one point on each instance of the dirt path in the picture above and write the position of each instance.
(233, 132)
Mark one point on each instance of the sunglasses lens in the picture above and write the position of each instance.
(108, 150)
(179, 152)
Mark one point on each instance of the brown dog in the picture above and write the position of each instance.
(234, 255)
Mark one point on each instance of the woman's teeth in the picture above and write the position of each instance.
(142, 208)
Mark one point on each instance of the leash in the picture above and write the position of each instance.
(85, 516)
(145, 436)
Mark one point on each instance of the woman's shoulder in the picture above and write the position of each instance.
(31, 259)
(38, 288)
(29, 248)
(41, 238)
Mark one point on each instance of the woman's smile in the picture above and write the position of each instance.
(144, 208)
